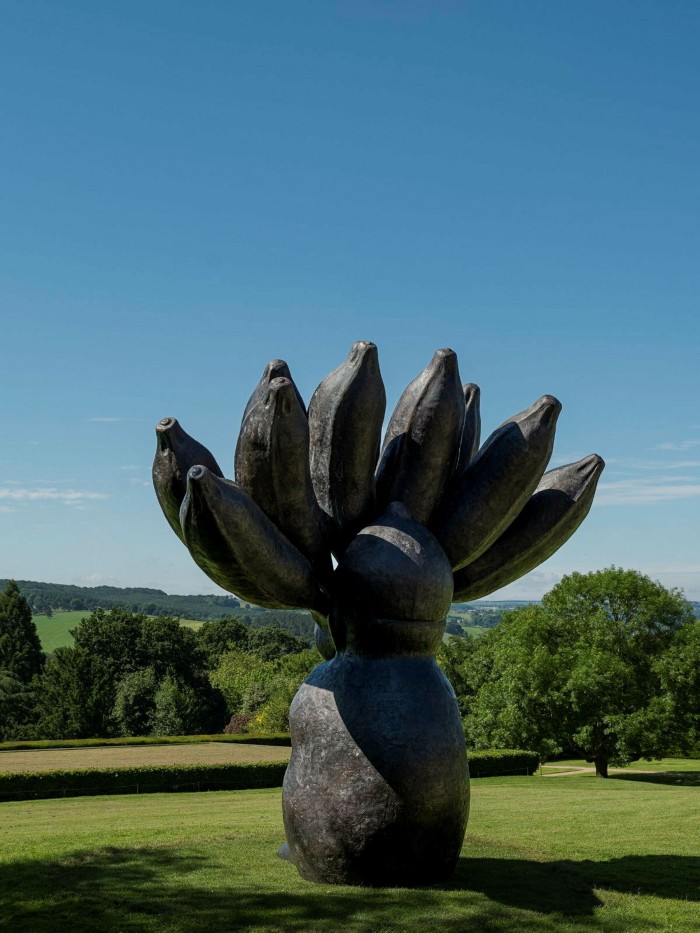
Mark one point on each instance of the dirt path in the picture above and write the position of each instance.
(569, 772)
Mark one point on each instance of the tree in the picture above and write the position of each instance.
(20, 648)
(581, 672)
(271, 642)
(75, 696)
(290, 672)
(178, 710)
(134, 702)
(245, 681)
(220, 636)
(679, 673)
(108, 682)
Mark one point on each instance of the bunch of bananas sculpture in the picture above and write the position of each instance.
(377, 790)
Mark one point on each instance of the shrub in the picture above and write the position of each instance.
(142, 780)
(492, 762)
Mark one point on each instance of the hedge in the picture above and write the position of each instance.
(24, 785)
(279, 738)
(497, 761)
(149, 779)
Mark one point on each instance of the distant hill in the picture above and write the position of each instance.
(52, 597)
(46, 598)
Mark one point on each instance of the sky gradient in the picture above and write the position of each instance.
(190, 190)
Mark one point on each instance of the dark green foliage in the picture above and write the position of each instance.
(220, 636)
(678, 670)
(20, 649)
(492, 762)
(142, 780)
(270, 643)
(125, 673)
(43, 597)
(580, 673)
(74, 696)
(134, 702)
(177, 709)
(454, 657)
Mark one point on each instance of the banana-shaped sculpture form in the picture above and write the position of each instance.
(376, 791)
(275, 369)
(345, 423)
(176, 452)
(471, 435)
(272, 465)
(495, 486)
(559, 505)
(421, 445)
(237, 546)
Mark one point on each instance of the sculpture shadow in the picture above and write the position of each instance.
(673, 778)
(567, 886)
(142, 889)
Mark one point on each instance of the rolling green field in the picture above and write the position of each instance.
(54, 631)
(569, 853)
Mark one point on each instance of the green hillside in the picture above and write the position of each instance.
(55, 631)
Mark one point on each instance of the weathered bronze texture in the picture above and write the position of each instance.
(377, 788)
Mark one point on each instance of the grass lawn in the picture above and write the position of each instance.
(570, 853)
(54, 631)
(133, 756)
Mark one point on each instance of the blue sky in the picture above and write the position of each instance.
(191, 189)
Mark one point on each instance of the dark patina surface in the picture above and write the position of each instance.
(377, 789)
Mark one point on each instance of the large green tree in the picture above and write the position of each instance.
(108, 682)
(21, 659)
(20, 648)
(581, 673)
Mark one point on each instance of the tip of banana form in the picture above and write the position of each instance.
(275, 369)
(165, 424)
(471, 392)
(281, 392)
(166, 429)
(445, 360)
(592, 465)
(197, 473)
(548, 407)
(363, 353)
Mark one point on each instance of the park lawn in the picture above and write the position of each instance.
(135, 756)
(570, 854)
(55, 631)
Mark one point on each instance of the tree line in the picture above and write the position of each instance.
(606, 668)
(128, 674)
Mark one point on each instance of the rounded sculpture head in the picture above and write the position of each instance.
(392, 588)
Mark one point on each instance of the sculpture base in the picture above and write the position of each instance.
(377, 788)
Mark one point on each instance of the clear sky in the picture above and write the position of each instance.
(191, 189)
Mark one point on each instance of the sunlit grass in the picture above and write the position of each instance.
(566, 853)
(55, 631)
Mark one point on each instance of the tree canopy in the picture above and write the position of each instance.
(583, 673)
(20, 648)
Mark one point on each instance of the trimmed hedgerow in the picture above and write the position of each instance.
(497, 761)
(151, 779)
(243, 738)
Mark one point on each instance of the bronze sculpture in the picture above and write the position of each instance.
(377, 787)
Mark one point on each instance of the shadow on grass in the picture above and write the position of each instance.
(150, 889)
(675, 778)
